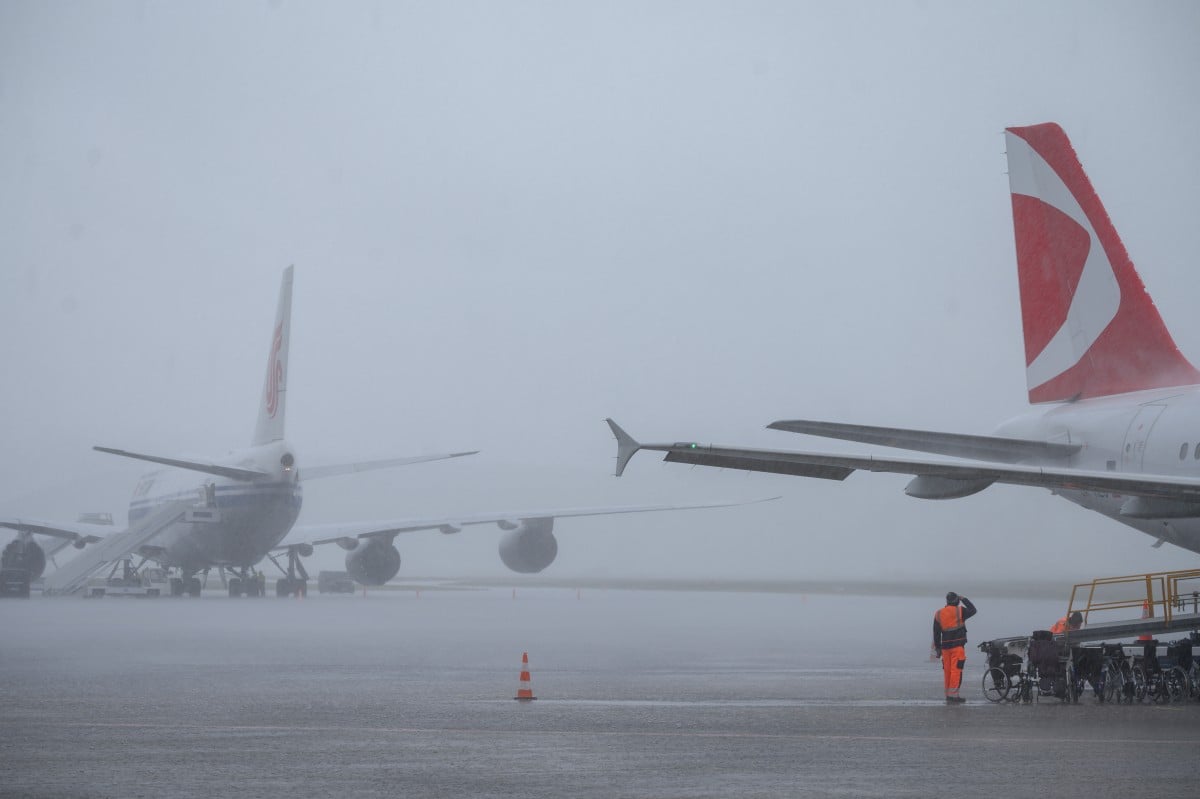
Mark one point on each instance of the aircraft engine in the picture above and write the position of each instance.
(373, 562)
(530, 547)
(926, 486)
(24, 553)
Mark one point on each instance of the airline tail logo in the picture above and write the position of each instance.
(273, 401)
(274, 372)
(1090, 328)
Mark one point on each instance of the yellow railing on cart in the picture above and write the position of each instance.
(1154, 595)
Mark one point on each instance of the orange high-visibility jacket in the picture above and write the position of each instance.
(948, 628)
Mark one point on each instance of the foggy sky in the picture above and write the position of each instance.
(511, 220)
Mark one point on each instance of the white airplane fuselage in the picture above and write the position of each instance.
(234, 523)
(1154, 432)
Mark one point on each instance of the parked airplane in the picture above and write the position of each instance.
(1117, 430)
(243, 505)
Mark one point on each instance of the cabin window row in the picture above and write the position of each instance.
(1183, 451)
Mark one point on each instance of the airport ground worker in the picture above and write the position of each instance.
(1072, 623)
(950, 642)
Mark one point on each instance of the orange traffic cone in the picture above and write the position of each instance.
(525, 688)
(1145, 615)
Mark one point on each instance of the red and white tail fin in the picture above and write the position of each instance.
(272, 403)
(1091, 329)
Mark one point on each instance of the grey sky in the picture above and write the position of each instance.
(510, 220)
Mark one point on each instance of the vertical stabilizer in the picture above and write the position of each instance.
(273, 402)
(1091, 329)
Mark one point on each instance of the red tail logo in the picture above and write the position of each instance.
(1091, 329)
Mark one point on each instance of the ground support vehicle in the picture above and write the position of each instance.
(335, 582)
(14, 583)
(126, 580)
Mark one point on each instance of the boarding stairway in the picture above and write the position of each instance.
(72, 576)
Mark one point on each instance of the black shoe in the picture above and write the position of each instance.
(955, 700)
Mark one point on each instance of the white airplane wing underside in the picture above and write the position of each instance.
(330, 533)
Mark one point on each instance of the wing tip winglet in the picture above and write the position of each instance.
(627, 447)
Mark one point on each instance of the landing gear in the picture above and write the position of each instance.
(295, 579)
(245, 581)
(288, 586)
(185, 585)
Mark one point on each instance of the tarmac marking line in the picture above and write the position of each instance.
(1190, 742)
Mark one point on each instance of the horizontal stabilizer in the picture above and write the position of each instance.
(334, 469)
(981, 448)
(232, 472)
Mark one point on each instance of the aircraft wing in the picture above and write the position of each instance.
(1150, 496)
(330, 533)
(983, 448)
(334, 469)
(79, 533)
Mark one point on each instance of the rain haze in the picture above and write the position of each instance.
(511, 220)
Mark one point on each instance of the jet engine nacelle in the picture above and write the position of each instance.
(530, 547)
(373, 562)
(24, 554)
(925, 486)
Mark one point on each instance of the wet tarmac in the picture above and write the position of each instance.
(640, 694)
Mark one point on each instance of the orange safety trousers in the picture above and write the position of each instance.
(953, 661)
